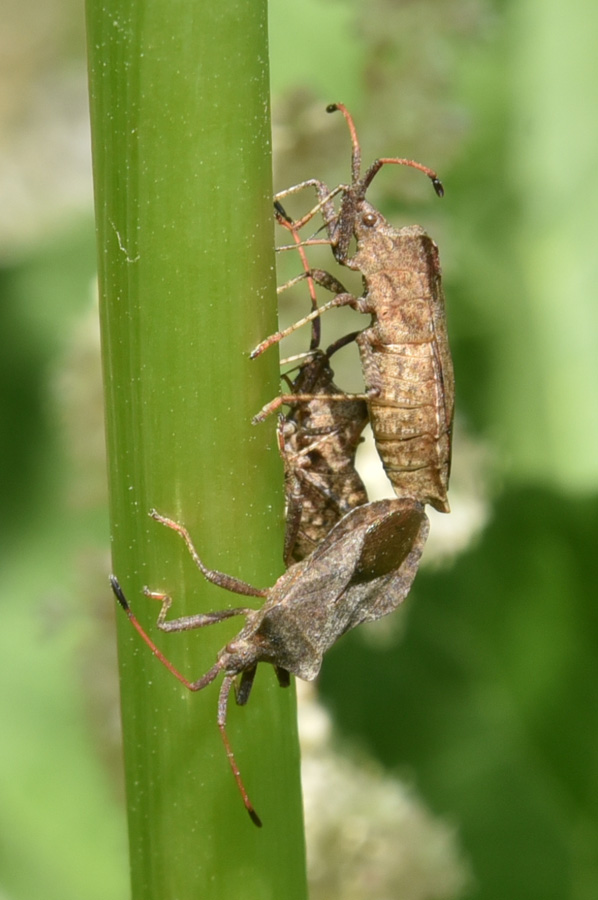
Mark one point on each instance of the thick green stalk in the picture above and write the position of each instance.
(181, 138)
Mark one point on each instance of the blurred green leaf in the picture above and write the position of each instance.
(491, 698)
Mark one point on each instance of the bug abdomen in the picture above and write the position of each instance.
(410, 418)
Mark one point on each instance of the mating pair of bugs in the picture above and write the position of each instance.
(349, 561)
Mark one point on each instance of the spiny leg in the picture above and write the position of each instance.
(187, 623)
(294, 498)
(286, 222)
(340, 300)
(210, 675)
(293, 281)
(228, 582)
(291, 399)
(324, 204)
(319, 276)
(191, 685)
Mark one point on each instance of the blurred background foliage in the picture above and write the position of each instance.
(479, 701)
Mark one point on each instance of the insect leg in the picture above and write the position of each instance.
(191, 685)
(324, 204)
(294, 506)
(320, 276)
(287, 223)
(284, 678)
(187, 623)
(244, 685)
(220, 578)
(339, 300)
(291, 399)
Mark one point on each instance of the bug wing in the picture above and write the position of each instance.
(302, 617)
(442, 348)
(389, 539)
(388, 564)
(375, 548)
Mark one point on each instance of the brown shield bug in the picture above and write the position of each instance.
(361, 571)
(318, 440)
(404, 352)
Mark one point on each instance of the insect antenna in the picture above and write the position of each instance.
(202, 682)
(377, 165)
(356, 155)
(191, 685)
(227, 684)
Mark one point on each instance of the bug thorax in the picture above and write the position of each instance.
(315, 377)
(383, 248)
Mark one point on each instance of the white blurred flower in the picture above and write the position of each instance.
(367, 833)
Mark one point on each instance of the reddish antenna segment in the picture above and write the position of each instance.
(198, 685)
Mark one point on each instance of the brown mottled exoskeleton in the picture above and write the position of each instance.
(404, 352)
(361, 571)
(318, 440)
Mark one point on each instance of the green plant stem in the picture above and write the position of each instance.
(181, 140)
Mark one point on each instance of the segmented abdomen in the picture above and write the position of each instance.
(410, 408)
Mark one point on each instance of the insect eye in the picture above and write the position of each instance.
(368, 219)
